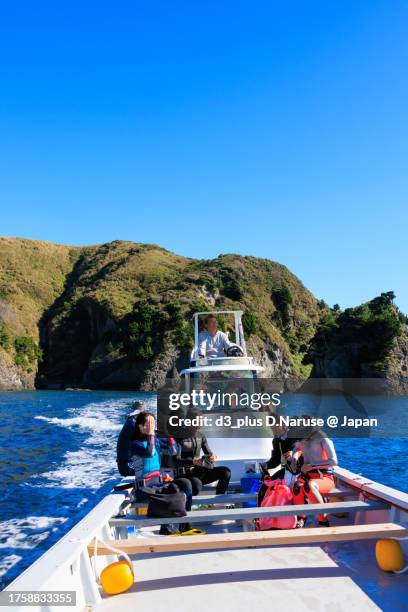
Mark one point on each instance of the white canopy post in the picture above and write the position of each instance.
(195, 356)
(236, 321)
(241, 334)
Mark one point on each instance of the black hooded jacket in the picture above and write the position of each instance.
(124, 446)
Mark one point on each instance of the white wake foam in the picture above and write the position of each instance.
(84, 423)
(28, 532)
(85, 469)
(95, 462)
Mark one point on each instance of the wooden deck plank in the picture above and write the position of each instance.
(253, 539)
(200, 516)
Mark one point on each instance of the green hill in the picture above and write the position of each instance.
(118, 315)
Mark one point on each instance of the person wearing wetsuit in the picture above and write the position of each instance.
(200, 470)
(283, 447)
(282, 452)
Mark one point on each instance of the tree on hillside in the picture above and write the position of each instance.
(282, 299)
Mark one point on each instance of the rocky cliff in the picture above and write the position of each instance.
(32, 276)
(118, 316)
(366, 342)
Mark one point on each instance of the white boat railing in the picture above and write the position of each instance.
(66, 566)
(366, 485)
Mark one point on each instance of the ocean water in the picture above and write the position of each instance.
(57, 460)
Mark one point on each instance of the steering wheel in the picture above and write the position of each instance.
(235, 351)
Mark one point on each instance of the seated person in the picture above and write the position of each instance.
(199, 469)
(211, 341)
(283, 448)
(317, 479)
(143, 450)
(126, 437)
(287, 455)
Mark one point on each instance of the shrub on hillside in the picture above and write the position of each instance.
(282, 299)
(249, 323)
(27, 351)
(5, 340)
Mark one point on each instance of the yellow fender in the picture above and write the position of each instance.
(389, 555)
(116, 577)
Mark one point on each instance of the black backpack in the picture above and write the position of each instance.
(165, 501)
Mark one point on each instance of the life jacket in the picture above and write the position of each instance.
(275, 493)
(145, 466)
(323, 457)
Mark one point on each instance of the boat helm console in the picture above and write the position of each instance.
(236, 360)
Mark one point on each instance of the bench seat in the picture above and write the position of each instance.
(208, 516)
(251, 539)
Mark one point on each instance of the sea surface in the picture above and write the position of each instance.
(57, 460)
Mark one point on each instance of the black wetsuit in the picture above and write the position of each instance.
(280, 446)
(191, 448)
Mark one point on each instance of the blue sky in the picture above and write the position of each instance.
(277, 129)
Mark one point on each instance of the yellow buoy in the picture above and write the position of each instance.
(117, 577)
(389, 555)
